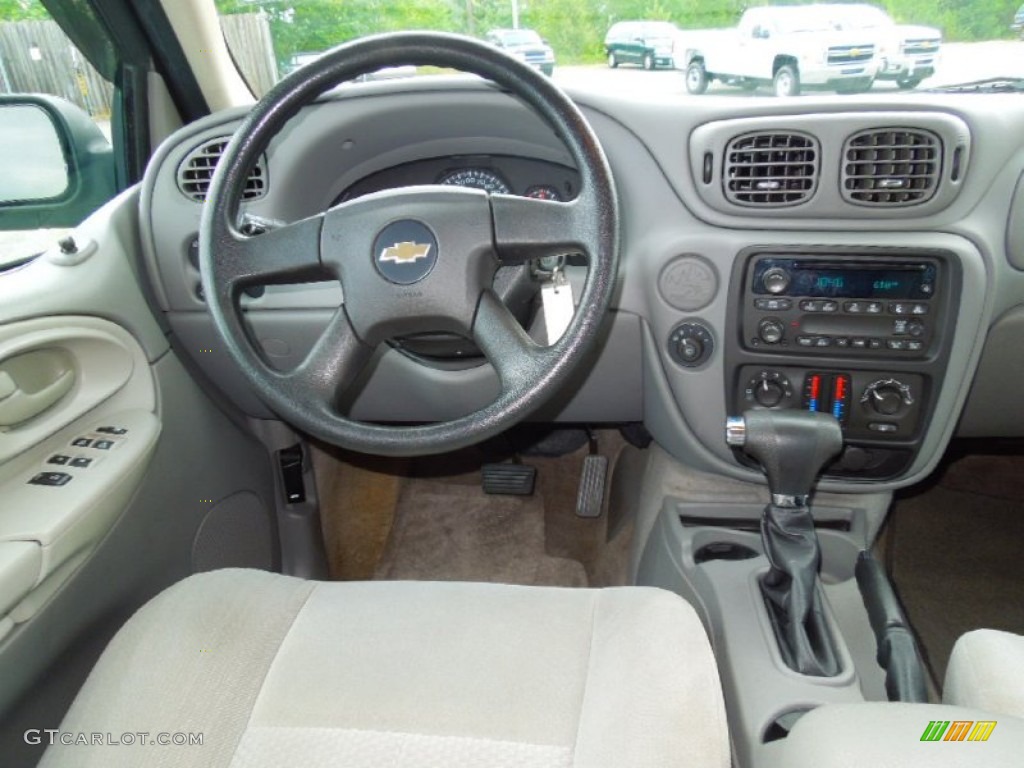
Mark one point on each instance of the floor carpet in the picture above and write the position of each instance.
(954, 552)
(429, 519)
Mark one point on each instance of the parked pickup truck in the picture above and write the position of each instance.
(906, 53)
(788, 47)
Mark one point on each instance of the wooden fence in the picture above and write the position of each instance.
(37, 57)
(250, 43)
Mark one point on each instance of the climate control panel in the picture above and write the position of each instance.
(869, 405)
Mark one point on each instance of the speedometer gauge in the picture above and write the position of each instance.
(476, 178)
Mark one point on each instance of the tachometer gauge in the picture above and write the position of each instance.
(543, 192)
(476, 178)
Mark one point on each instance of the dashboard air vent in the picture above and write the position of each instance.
(197, 169)
(891, 166)
(768, 169)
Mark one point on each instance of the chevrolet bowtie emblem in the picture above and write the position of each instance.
(405, 253)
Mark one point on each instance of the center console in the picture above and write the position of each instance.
(862, 334)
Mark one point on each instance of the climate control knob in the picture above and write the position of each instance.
(768, 389)
(769, 394)
(775, 280)
(771, 330)
(887, 397)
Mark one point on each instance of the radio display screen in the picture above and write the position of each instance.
(851, 282)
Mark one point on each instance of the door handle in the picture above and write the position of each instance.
(18, 406)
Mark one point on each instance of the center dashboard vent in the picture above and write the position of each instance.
(771, 169)
(891, 166)
(197, 169)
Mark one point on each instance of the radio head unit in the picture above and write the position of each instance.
(823, 278)
(840, 304)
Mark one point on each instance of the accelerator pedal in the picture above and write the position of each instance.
(590, 497)
(509, 479)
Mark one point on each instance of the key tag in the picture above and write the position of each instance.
(556, 298)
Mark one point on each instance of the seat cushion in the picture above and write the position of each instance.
(986, 671)
(277, 671)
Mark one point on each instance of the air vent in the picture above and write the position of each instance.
(891, 167)
(771, 169)
(197, 169)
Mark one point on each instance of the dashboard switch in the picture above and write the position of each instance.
(59, 459)
(51, 479)
(691, 344)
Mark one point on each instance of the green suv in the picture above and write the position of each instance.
(646, 43)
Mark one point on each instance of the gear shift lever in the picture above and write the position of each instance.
(792, 447)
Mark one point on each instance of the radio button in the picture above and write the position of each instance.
(874, 307)
(899, 308)
(773, 305)
(829, 306)
(854, 307)
(859, 343)
(810, 305)
(897, 344)
(874, 343)
(915, 346)
(823, 341)
(919, 309)
(805, 341)
(842, 342)
(901, 327)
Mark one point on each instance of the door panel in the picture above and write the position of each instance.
(159, 481)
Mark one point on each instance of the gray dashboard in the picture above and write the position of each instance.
(676, 220)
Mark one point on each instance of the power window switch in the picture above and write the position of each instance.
(81, 462)
(59, 458)
(103, 445)
(81, 442)
(112, 430)
(51, 478)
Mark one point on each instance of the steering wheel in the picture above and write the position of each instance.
(410, 259)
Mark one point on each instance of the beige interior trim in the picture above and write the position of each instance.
(197, 28)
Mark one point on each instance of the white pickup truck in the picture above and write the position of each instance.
(906, 53)
(788, 47)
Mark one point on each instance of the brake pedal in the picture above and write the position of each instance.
(590, 497)
(509, 479)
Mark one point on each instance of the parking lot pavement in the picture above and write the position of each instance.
(959, 63)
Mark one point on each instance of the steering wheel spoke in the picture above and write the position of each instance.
(332, 365)
(285, 254)
(526, 228)
(516, 357)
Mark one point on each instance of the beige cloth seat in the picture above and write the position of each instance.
(986, 671)
(276, 671)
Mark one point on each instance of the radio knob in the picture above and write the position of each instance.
(887, 397)
(771, 330)
(769, 394)
(775, 280)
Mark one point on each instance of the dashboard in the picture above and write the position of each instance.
(855, 255)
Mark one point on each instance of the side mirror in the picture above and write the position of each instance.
(57, 167)
(761, 33)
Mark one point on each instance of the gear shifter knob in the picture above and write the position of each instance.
(792, 447)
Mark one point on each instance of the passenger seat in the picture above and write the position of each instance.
(986, 671)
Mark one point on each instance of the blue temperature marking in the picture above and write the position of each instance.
(837, 409)
(813, 405)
